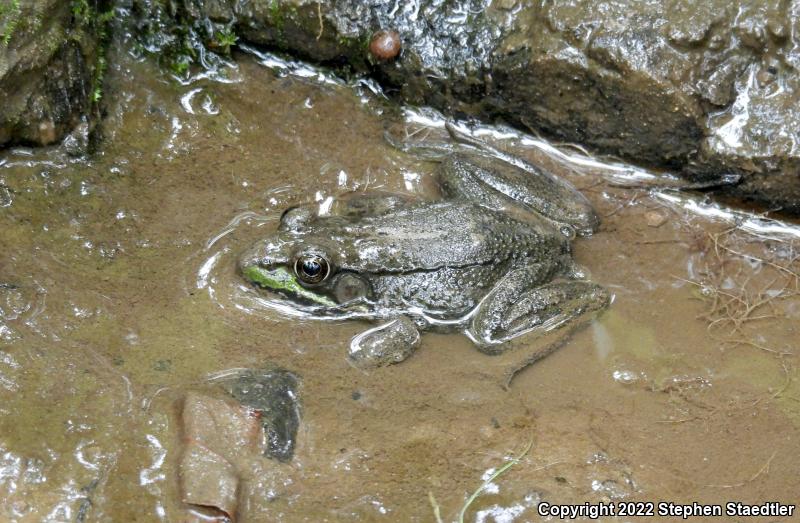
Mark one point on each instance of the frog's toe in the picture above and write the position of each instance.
(388, 343)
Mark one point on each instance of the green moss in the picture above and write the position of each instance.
(280, 15)
(276, 15)
(181, 55)
(99, 76)
(10, 11)
(224, 39)
(100, 24)
(82, 12)
(278, 22)
(30, 23)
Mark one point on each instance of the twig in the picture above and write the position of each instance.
(319, 15)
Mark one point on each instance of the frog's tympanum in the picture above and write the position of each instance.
(490, 258)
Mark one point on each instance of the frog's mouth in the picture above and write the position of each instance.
(284, 282)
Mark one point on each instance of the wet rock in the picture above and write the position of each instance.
(706, 88)
(216, 433)
(227, 438)
(50, 68)
(273, 394)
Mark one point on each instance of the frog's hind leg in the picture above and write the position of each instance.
(518, 306)
(503, 182)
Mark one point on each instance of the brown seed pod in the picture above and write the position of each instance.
(385, 45)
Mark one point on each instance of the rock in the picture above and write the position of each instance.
(216, 435)
(228, 441)
(50, 66)
(706, 88)
(274, 395)
(654, 219)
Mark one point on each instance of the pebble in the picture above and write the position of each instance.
(385, 45)
(654, 218)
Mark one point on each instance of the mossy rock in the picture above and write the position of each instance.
(51, 65)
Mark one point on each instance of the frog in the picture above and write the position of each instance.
(490, 257)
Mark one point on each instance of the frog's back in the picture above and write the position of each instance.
(434, 235)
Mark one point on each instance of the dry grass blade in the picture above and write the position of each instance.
(437, 513)
(499, 472)
(763, 470)
(739, 289)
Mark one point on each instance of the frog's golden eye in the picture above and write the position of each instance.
(312, 268)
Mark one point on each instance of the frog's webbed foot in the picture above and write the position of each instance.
(518, 306)
(388, 343)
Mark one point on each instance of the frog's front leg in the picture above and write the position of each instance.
(388, 343)
(519, 305)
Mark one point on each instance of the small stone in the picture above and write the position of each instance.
(47, 132)
(765, 77)
(654, 218)
(6, 199)
(76, 144)
(385, 45)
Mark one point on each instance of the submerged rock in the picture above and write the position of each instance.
(273, 394)
(218, 434)
(706, 88)
(229, 442)
(50, 67)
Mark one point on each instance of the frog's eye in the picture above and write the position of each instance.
(312, 268)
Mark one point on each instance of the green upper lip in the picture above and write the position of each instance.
(281, 279)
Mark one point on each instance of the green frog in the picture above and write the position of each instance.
(491, 257)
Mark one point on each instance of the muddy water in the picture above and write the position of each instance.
(118, 294)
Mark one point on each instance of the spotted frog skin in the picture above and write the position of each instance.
(491, 258)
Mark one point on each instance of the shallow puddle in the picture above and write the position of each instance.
(118, 294)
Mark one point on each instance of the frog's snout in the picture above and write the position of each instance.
(252, 257)
(258, 267)
(263, 255)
